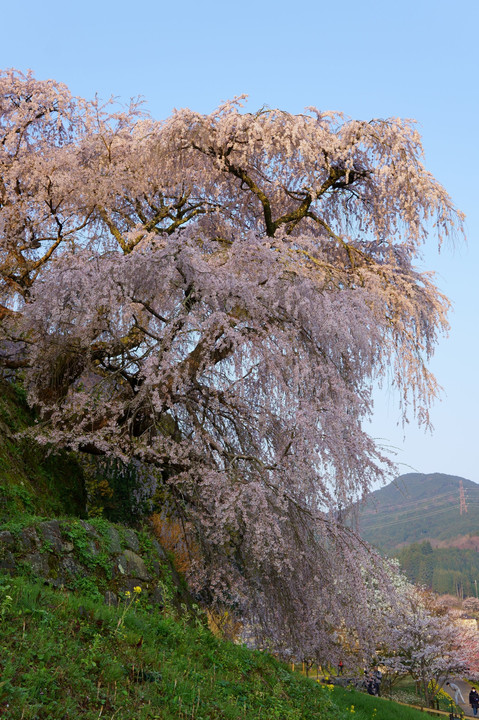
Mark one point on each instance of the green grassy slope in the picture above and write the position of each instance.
(65, 657)
(362, 706)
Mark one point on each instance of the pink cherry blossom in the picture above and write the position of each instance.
(214, 296)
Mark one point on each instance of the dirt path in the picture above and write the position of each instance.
(465, 689)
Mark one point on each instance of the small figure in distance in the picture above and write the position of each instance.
(474, 700)
(371, 683)
(377, 677)
(340, 667)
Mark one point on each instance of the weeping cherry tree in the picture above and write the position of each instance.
(214, 297)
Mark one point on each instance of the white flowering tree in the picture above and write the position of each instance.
(214, 296)
(422, 640)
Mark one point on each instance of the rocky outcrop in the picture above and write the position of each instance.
(91, 556)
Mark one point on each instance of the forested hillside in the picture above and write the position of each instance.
(417, 507)
(450, 570)
(418, 519)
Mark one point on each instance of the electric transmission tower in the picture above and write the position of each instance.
(462, 498)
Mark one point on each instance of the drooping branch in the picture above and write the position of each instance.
(212, 296)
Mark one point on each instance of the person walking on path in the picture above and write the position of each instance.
(457, 692)
(474, 700)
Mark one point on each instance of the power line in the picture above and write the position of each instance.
(404, 510)
(405, 515)
(408, 519)
(385, 508)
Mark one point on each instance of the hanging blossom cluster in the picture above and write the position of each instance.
(213, 296)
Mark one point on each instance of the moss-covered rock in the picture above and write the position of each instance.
(75, 554)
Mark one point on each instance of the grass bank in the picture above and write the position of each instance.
(65, 656)
(362, 706)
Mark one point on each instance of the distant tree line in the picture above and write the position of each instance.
(443, 570)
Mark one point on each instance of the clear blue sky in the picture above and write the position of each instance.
(368, 58)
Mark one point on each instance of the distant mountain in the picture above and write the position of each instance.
(417, 507)
(418, 519)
